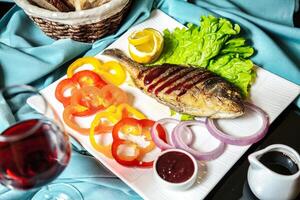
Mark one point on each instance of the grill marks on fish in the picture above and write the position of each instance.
(143, 71)
(190, 82)
(173, 80)
(170, 73)
(180, 82)
(156, 72)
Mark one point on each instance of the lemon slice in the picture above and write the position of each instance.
(145, 46)
(139, 37)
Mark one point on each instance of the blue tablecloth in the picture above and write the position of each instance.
(27, 56)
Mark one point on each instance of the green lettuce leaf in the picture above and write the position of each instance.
(172, 112)
(186, 117)
(215, 45)
(183, 117)
(236, 70)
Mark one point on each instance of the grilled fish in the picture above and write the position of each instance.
(189, 90)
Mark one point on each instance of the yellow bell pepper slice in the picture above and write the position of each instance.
(109, 115)
(112, 115)
(112, 72)
(82, 61)
(126, 110)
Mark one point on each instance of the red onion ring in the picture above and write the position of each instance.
(160, 143)
(178, 142)
(241, 141)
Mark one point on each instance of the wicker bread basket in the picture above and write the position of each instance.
(85, 26)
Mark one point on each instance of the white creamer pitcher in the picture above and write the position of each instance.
(268, 184)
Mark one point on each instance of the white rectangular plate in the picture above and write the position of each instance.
(270, 92)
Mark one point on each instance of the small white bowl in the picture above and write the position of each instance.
(176, 186)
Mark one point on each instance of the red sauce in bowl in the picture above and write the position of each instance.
(175, 167)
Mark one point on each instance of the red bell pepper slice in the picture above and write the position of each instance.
(88, 78)
(89, 98)
(69, 119)
(80, 79)
(117, 141)
(113, 95)
(123, 160)
(62, 87)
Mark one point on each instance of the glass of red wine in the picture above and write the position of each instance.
(34, 148)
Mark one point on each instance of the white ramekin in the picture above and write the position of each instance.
(176, 186)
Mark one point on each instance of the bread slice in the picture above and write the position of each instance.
(54, 5)
(69, 4)
(87, 4)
